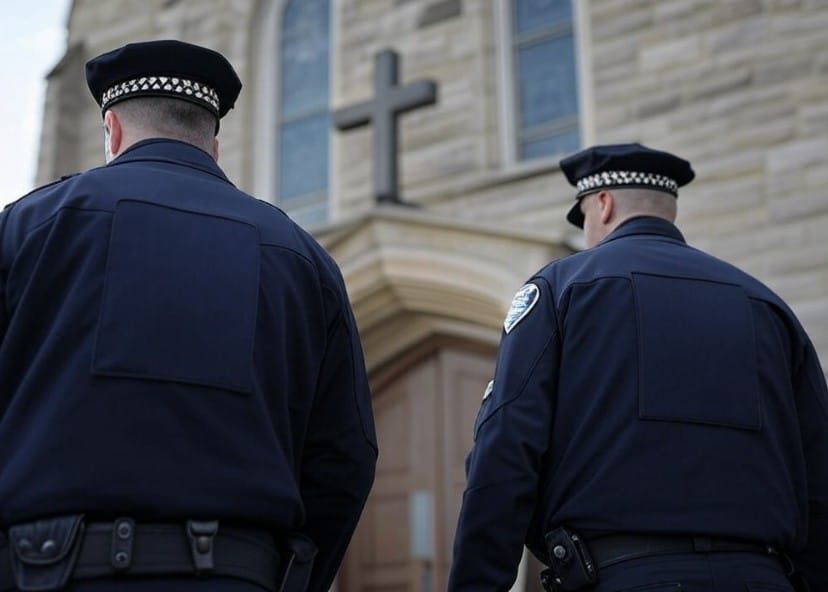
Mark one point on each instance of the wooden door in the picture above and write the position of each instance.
(424, 409)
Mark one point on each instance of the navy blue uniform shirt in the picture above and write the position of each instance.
(172, 348)
(647, 387)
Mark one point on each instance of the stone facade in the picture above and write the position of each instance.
(736, 86)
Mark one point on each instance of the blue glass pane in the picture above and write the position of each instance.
(530, 15)
(547, 88)
(303, 157)
(305, 56)
(554, 145)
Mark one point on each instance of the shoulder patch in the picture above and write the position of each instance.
(522, 304)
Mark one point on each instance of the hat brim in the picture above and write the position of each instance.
(575, 216)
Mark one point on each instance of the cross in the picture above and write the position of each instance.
(383, 110)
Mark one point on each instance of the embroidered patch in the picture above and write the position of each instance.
(522, 304)
(489, 389)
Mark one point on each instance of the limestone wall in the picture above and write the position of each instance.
(736, 86)
(739, 88)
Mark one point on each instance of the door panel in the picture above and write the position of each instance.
(424, 416)
(463, 379)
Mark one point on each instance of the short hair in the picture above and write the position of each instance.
(169, 118)
(633, 202)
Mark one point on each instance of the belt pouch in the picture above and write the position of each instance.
(570, 561)
(44, 553)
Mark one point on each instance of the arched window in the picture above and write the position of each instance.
(304, 117)
(541, 62)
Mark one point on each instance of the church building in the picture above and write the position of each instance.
(419, 141)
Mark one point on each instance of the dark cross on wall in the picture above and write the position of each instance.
(383, 111)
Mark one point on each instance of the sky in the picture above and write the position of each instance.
(32, 40)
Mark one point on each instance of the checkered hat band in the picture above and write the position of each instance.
(627, 178)
(163, 84)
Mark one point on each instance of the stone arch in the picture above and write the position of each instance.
(401, 299)
(412, 275)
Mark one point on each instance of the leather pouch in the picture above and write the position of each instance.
(44, 553)
(570, 561)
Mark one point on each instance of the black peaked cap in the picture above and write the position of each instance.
(618, 166)
(165, 68)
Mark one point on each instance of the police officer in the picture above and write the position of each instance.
(183, 395)
(658, 419)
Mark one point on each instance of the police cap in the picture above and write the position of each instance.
(165, 68)
(623, 166)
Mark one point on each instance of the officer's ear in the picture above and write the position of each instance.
(606, 203)
(116, 132)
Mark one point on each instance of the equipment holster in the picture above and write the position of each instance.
(298, 565)
(571, 567)
(44, 553)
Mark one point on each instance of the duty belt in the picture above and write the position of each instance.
(44, 555)
(614, 549)
(575, 564)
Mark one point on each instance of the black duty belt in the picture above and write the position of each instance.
(576, 564)
(613, 549)
(48, 553)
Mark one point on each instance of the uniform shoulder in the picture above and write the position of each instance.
(559, 272)
(42, 189)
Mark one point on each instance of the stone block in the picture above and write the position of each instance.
(603, 10)
(798, 259)
(782, 71)
(710, 229)
(669, 11)
(613, 53)
(799, 206)
(785, 183)
(798, 286)
(787, 4)
(720, 197)
(727, 10)
(625, 23)
(438, 12)
(798, 25)
(670, 54)
(717, 82)
(737, 36)
(618, 73)
(797, 155)
(758, 100)
(657, 104)
(771, 133)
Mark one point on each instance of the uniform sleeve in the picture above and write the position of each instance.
(812, 406)
(512, 433)
(340, 449)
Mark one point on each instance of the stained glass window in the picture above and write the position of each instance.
(546, 95)
(304, 119)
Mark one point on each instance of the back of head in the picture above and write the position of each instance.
(165, 117)
(630, 203)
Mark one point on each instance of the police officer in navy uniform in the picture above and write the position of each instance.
(183, 395)
(658, 419)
